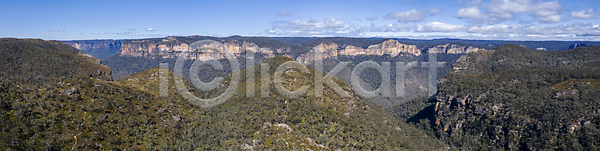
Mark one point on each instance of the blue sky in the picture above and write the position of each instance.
(416, 19)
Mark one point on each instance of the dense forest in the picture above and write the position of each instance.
(74, 110)
(514, 98)
(53, 97)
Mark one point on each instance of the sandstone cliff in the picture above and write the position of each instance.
(453, 49)
(332, 50)
(170, 47)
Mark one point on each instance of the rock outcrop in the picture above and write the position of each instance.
(171, 49)
(453, 49)
(389, 47)
(502, 99)
(331, 50)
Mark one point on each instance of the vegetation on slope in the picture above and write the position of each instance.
(514, 98)
(279, 123)
(36, 61)
(79, 112)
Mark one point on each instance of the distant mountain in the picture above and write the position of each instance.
(105, 48)
(514, 98)
(513, 57)
(143, 54)
(97, 48)
(573, 46)
(332, 48)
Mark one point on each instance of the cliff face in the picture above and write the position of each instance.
(388, 47)
(512, 98)
(453, 49)
(171, 49)
(90, 46)
(327, 50)
(97, 48)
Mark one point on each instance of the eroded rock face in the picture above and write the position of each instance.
(389, 47)
(328, 50)
(170, 48)
(173, 48)
(453, 49)
(82, 45)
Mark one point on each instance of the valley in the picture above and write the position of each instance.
(507, 98)
(389, 75)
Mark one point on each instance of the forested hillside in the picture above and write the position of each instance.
(515, 98)
(70, 109)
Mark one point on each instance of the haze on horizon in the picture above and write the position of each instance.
(573, 20)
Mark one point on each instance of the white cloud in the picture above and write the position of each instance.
(131, 33)
(357, 19)
(408, 16)
(284, 13)
(473, 3)
(508, 6)
(574, 31)
(149, 29)
(502, 10)
(545, 9)
(439, 27)
(434, 10)
(545, 12)
(574, 28)
(495, 29)
(392, 28)
(584, 14)
(326, 27)
(314, 25)
(372, 18)
(550, 19)
(470, 13)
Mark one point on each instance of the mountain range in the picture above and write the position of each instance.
(74, 108)
(510, 97)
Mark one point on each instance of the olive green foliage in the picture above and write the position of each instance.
(123, 66)
(36, 61)
(77, 112)
(330, 122)
(512, 57)
(516, 99)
